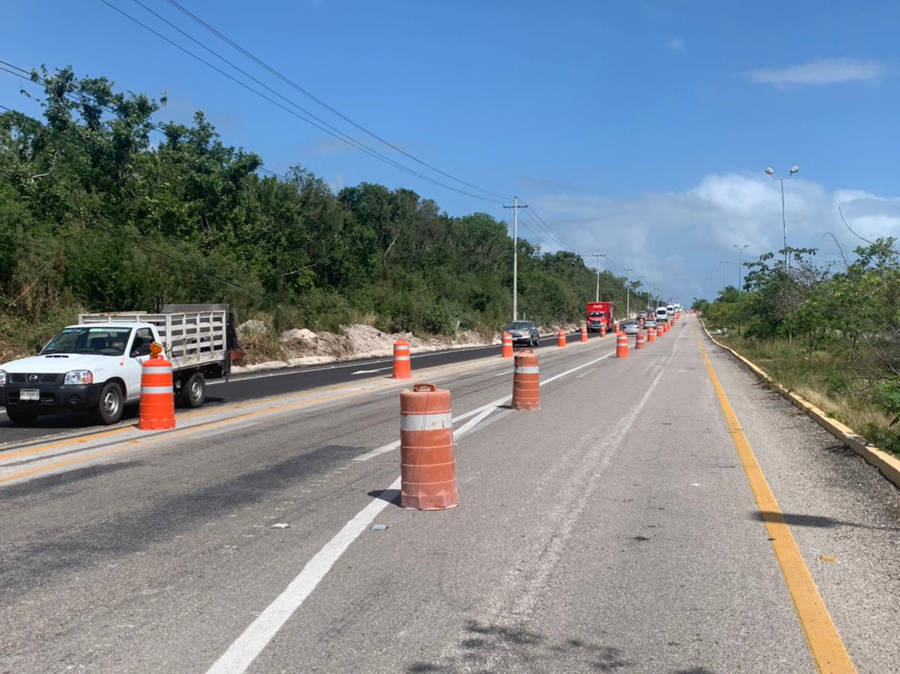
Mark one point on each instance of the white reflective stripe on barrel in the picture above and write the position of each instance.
(426, 422)
(401, 348)
(159, 369)
(153, 390)
(527, 369)
(401, 357)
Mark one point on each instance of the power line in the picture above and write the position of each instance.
(314, 121)
(337, 133)
(318, 100)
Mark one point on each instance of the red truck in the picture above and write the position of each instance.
(600, 313)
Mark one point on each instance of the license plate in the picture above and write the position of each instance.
(29, 394)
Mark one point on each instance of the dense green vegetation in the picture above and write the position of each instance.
(102, 209)
(834, 337)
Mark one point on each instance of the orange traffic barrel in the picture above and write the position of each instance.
(157, 393)
(427, 463)
(402, 365)
(603, 329)
(561, 337)
(639, 339)
(584, 336)
(659, 329)
(621, 345)
(668, 326)
(651, 335)
(506, 351)
(526, 381)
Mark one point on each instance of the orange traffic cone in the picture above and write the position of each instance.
(561, 337)
(526, 381)
(506, 351)
(157, 406)
(622, 345)
(402, 364)
(427, 463)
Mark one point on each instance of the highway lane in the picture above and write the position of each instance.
(254, 385)
(612, 530)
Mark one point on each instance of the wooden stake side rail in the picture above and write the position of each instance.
(189, 338)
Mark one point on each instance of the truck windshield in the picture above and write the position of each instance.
(95, 341)
(597, 314)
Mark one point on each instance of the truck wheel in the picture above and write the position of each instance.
(193, 392)
(21, 417)
(109, 408)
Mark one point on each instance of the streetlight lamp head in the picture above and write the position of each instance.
(770, 171)
(794, 169)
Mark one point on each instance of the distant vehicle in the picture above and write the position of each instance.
(662, 315)
(642, 314)
(600, 314)
(649, 323)
(671, 309)
(97, 365)
(630, 327)
(524, 332)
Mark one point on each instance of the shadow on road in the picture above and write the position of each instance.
(811, 521)
(392, 496)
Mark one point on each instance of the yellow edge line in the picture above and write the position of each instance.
(81, 439)
(175, 433)
(825, 644)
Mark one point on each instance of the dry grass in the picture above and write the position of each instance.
(846, 388)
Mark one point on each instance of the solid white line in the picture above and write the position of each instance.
(380, 369)
(391, 446)
(457, 434)
(579, 367)
(245, 649)
(326, 366)
(241, 654)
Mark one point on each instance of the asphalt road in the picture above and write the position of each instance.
(613, 530)
(250, 386)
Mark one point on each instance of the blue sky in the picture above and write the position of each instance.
(640, 128)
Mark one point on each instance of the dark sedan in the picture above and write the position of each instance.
(524, 332)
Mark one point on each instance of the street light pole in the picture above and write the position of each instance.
(781, 179)
(741, 264)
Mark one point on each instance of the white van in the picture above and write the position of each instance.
(662, 314)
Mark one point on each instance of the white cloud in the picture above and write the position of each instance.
(676, 44)
(821, 72)
(678, 240)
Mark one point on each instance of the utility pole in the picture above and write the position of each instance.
(741, 264)
(598, 255)
(516, 206)
(627, 293)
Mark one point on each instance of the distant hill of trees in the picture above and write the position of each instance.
(101, 209)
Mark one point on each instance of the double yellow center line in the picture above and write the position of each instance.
(828, 651)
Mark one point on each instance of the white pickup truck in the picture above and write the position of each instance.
(96, 365)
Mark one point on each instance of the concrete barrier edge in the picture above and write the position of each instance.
(884, 462)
